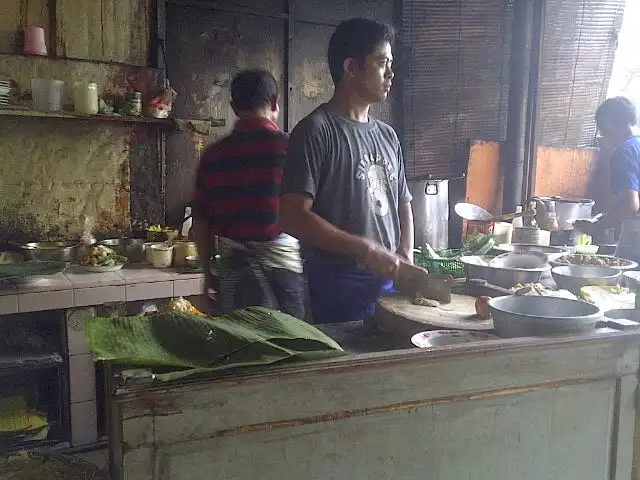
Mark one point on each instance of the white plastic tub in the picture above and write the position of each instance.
(47, 94)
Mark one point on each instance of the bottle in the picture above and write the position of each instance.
(517, 222)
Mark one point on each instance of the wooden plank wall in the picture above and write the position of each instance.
(98, 30)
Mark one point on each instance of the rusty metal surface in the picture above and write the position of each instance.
(54, 170)
(14, 15)
(205, 49)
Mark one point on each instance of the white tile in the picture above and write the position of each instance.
(75, 329)
(182, 276)
(34, 302)
(188, 287)
(80, 278)
(84, 423)
(98, 295)
(149, 291)
(45, 283)
(82, 378)
(145, 274)
(8, 304)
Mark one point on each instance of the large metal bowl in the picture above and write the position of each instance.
(478, 267)
(625, 264)
(551, 252)
(132, 248)
(526, 316)
(50, 251)
(574, 277)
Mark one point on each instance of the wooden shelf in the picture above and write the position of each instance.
(9, 112)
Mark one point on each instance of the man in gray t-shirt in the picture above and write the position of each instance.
(345, 195)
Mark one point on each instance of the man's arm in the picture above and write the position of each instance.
(297, 219)
(405, 249)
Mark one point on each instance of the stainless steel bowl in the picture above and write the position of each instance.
(50, 251)
(623, 314)
(135, 249)
(132, 248)
(478, 267)
(116, 244)
(626, 264)
(551, 252)
(525, 316)
(574, 277)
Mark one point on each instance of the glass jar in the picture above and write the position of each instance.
(132, 104)
(85, 98)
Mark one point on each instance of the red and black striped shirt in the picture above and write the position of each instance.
(238, 181)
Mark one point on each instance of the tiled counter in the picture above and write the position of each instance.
(80, 294)
(77, 288)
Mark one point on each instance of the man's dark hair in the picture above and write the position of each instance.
(355, 38)
(253, 89)
(619, 110)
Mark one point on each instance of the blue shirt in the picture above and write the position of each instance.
(625, 166)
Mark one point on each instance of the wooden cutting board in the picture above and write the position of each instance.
(398, 315)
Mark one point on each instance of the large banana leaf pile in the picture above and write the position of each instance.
(12, 271)
(249, 337)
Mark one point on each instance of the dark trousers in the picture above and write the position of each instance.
(244, 283)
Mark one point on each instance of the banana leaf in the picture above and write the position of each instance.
(30, 268)
(252, 336)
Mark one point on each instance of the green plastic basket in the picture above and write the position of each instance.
(444, 266)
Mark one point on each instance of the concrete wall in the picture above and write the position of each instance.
(54, 170)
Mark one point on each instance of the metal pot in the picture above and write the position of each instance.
(567, 210)
(478, 267)
(50, 251)
(525, 316)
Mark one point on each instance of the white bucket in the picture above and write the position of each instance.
(47, 94)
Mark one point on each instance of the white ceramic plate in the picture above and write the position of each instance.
(93, 269)
(439, 338)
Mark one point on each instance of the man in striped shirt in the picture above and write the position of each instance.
(237, 199)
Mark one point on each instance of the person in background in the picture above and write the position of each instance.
(615, 119)
(345, 195)
(237, 199)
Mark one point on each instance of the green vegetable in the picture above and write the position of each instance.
(429, 252)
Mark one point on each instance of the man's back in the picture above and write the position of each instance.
(239, 181)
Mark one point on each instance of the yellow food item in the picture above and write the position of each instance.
(184, 306)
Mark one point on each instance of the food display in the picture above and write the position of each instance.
(182, 305)
(103, 258)
(593, 260)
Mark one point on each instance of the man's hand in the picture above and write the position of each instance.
(381, 261)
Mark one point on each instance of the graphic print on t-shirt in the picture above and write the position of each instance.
(378, 173)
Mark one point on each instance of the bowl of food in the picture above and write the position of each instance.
(102, 259)
(550, 252)
(479, 267)
(526, 316)
(574, 277)
(594, 260)
(159, 233)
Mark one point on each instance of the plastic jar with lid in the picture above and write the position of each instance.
(85, 98)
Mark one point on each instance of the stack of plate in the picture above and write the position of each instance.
(5, 91)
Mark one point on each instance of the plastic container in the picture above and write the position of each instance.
(161, 256)
(34, 41)
(47, 94)
(502, 232)
(85, 98)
